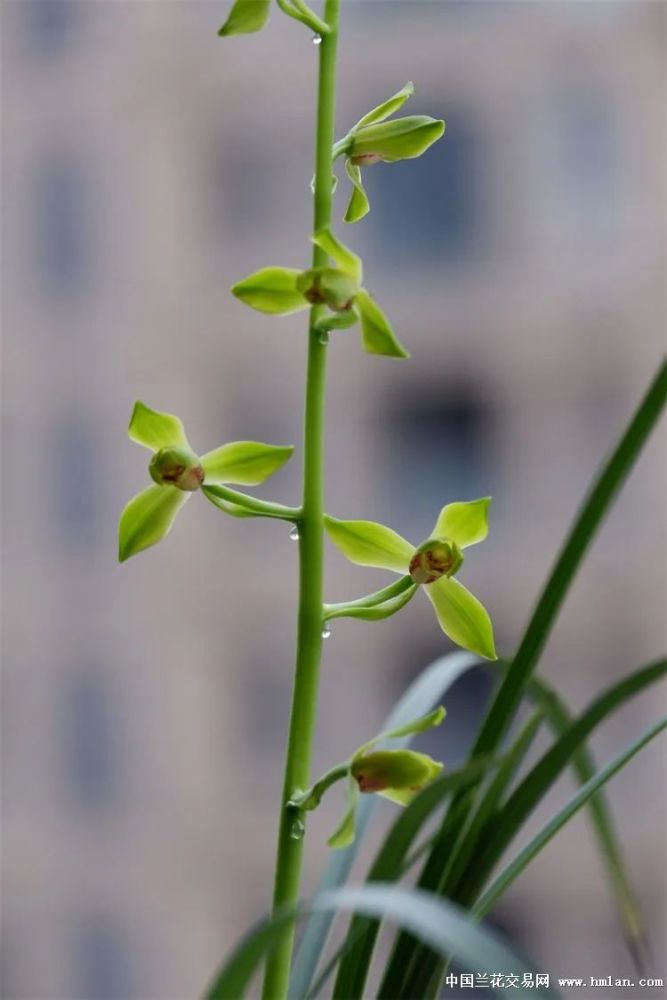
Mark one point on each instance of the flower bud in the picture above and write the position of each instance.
(435, 558)
(328, 286)
(177, 467)
(393, 770)
(398, 139)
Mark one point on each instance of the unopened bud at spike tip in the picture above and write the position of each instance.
(177, 467)
(434, 559)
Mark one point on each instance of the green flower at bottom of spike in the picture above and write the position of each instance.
(178, 471)
(397, 775)
(432, 565)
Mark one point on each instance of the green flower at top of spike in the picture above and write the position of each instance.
(284, 290)
(178, 472)
(431, 565)
(375, 140)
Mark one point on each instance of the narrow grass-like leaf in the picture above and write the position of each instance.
(559, 718)
(542, 776)
(387, 867)
(510, 693)
(584, 529)
(443, 926)
(415, 975)
(425, 692)
(512, 871)
(452, 847)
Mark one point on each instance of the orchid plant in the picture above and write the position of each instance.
(487, 801)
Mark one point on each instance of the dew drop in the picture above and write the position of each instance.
(294, 534)
(326, 630)
(324, 337)
(298, 830)
(317, 39)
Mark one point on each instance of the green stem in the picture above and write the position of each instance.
(259, 508)
(311, 542)
(370, 600)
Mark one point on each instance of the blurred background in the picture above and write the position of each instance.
(147, 166)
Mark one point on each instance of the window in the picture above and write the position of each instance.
(50, 22)
(433, 202)
(62, 224)
(75, 478)
(438, 447)
(102, 959)
(90, 738)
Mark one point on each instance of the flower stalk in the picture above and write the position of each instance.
(311, 538)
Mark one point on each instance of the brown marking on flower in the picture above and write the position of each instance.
(370, 782)
(365, 159)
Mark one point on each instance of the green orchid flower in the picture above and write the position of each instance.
(177, 472)
(283, 290)
(431, 565)
(397, 775)
(374, 140)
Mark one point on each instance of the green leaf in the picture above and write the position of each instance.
(358, 205)
(512, 871)
(546, 771)
(583, 764)
(399, 139)
(504, 825)
(147, 518)
(245, 17)
(584, 529)
(247, 463)
(271, 290)
(356, 952)
(570, 558)
(376, 333)
(442, 926)
(346, 259)
(369, 544)
(387, 107)
(426, 690)
(156, 430)
(343, 836)
(462, 617)
(466, 523)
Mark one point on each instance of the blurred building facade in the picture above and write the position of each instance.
(147, 166)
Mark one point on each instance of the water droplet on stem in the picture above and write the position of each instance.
(326, 630)
(298, 829)
(317, 39)
(294, 534)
